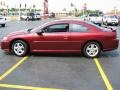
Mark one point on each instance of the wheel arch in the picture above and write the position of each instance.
(101, 46)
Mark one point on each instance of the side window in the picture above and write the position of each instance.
(57, 28)
(78, 28)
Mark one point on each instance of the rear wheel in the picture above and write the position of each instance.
(91, 49)
(19, 48)
(3, 25)
(27, 19)
(106, 23)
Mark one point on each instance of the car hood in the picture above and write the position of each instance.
(21, 32)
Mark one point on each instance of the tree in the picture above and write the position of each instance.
(94, 12)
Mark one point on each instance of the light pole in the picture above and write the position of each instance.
(25, 7)
(19, 10)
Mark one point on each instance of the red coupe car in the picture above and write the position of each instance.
(62, 36)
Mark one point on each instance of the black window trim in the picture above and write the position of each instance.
(56, 24)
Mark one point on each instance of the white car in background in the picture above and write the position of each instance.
(3, 21)
(95, 18)
(30, 16)
(37, 16)
(110, 20)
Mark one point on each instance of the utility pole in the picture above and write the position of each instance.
(25, 7)
(45, 4)
(115, 10)
(84, 9)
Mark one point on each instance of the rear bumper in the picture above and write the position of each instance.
(111, 45)
(5, 46)
(112, 23)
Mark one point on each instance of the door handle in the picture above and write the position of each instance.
(65, 37)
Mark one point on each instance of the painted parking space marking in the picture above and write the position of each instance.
(26, 87)
(13, 68)
(103, 75)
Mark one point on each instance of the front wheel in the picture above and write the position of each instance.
(19, 48)
(91, 49)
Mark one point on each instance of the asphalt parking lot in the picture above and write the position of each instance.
(57, 71)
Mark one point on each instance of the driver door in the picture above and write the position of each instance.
(56, 38)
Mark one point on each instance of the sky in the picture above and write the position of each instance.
(58, 5)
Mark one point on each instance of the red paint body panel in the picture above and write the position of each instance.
(63, 42)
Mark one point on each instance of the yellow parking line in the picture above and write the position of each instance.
(13, 68)
(26, 87)
(103, 75)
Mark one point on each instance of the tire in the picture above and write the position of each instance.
(27, 19)
(20, 48)
(91, 49)
(3, 25)
(21, 18)
(106, 23)
(116, 24)
(100, 24)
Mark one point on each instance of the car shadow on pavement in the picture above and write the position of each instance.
(57, 55)
(110, 54)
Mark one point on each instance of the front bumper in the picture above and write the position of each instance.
(113, 23)
(5, 46)
(97, 22)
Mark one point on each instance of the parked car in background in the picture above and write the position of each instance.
(62, 36)
(30, 16)
(3, 20)
(95, 18)
(118, 17)
(110, 20)
(37, 16)
(50, 15)
(83, 17)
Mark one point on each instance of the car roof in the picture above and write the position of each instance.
(67, 21)
(77, 21)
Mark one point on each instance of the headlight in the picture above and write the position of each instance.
(5, 38)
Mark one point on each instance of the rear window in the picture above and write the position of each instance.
(93, 15)
(30, 14)
(37, 14)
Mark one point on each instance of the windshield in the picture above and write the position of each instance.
(34, 30)
(101, 28)
(112, 17)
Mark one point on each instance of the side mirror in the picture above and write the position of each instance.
(40, 33)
